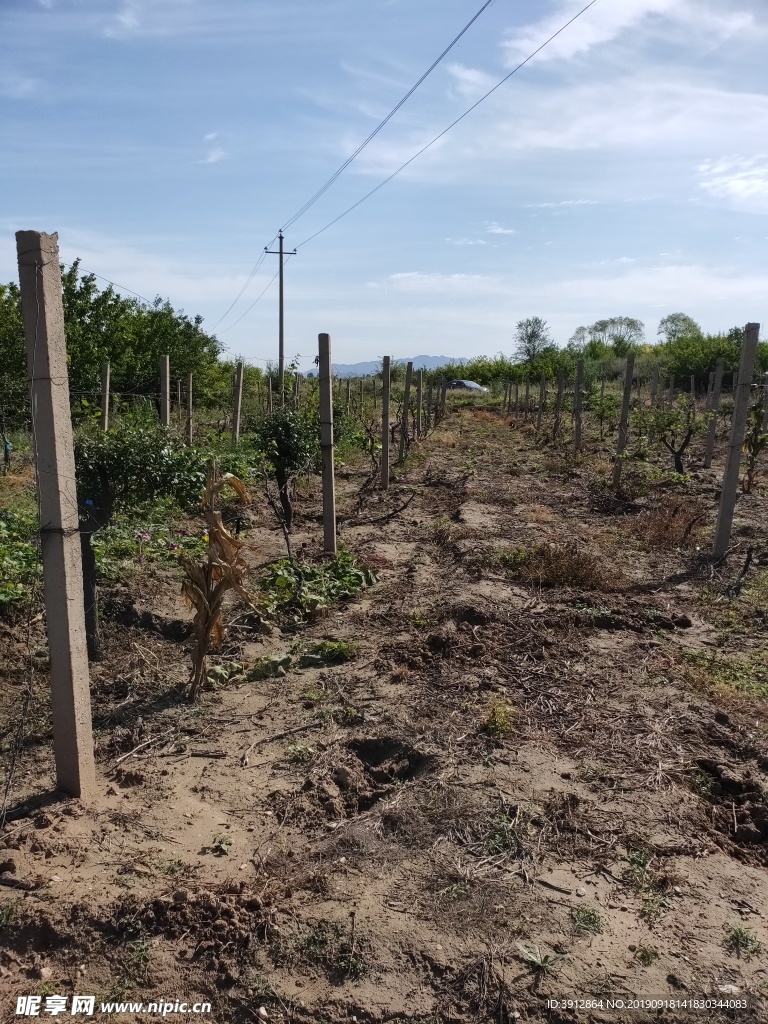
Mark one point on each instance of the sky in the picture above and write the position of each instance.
(623, 171)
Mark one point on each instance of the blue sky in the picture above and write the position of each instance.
(624, 171)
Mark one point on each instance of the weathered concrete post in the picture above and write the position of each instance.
(443, 394)
(428, 409)
(714, 405)
(558, 403)
(709, 390)
(419, 393)
(385, 387)
(189, 409)
(729, 492)
(105, 396)
(577, 404)
(326, 444)
(542, 400)
(178, 400)
(43, 319)
(527, 409)
(238, 403)
(404, 424)
(621, 441)
(165, 391)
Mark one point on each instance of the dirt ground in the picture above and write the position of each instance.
(539, 778)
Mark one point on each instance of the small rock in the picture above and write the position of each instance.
(8, 864)
(632, 947)
(729, 990)
(43, 973)
(263, 1013)
(581, 892)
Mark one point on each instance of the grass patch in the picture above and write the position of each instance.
(650, 886)
(747, 676)
(586, 919)
(742, 942)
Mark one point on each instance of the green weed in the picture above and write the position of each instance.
(647, 955)
(586, 919)
(329, 652)
(743, 942)
(296, 592)
(500, 719)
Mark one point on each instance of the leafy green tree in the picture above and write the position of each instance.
(531, 338)
(13, 366)
(678, 325)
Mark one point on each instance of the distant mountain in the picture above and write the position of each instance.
(373, 365)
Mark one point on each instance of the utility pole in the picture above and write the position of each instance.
(281, 320)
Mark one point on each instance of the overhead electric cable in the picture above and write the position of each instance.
(324, 188)
(259, 296)
(450, 126)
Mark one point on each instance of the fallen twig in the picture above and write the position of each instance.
(277, 736)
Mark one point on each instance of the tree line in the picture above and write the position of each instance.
(131, 335)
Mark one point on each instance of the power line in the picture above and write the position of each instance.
(446, 130)
(116, 285)
(261, 295)
(324, 188)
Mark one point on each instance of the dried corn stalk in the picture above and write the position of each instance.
(208, 580)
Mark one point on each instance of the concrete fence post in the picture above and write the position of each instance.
(655, 386)
(517, 400)
(527, 403)
(326, 444)
(43, 320)
(710, 385)
(385, 392)
(428, 409)
(621, 441)
(165, 391)
(714, 406)
(105, 396)
(577, 404)
(729, 492)
(189, 409)
(404, 424)
(419, 393)
(238, 403)
(443, 394)
(542, 400)
(558, 403)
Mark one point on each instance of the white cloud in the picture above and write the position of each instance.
(466, 241)
(496, 229)
(608, 21)
(210, 136)
(564, 202)
(470, 82)
(687, 286)
(741, 180)
(214, 156)
(18, 87)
